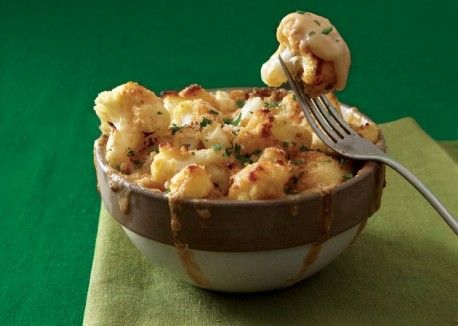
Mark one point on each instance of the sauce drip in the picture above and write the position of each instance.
(326, 222)
(122, 191)
(308, 32)
(185, 254)
(204, 214)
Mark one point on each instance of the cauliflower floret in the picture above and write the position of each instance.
(289, 127)
(257, 133)
(126, 113)
(216, 135)
(264, 179)
(197, 92)
(192, 181)
(368, 131)
(312, 48)
(250, 107)
(317, 170)
(225, 102)
(170, 160)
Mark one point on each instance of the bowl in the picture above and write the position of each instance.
(244, 246)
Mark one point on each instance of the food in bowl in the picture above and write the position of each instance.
(230, 189)
(239, 144)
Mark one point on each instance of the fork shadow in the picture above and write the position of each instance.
(378, 281)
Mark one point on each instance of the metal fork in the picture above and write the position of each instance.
(332, 129)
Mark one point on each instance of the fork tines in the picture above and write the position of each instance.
(324, 119)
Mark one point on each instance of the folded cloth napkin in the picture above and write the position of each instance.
(401, 271)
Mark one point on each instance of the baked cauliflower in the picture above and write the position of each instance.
(246, 144)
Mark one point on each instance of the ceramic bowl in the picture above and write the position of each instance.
(244, 246)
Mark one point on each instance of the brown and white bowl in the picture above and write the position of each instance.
(244, 246)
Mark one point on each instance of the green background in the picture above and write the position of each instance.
(55, 57)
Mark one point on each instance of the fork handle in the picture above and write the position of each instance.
(420, 186)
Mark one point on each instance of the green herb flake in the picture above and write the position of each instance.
(311, 33)
(214, 112)
(294, 97)
(167, 190)
(240, 103)
(303, 148)
(300, 12)
(174, 129)
(205, 122)
(130, 152)
(327, 30)
(138, 163)
(348, 176)
(237, 121)
(271, 105)
(217, 147)
(227, 152)
(317, 22)
(244, 159)
(193, 153)
(237, 149)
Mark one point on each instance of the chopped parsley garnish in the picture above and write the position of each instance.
(244, 159)
(271, 105)
(193, 153)
(327, 30)
(317, 22)
(311, 33)
(130, 152)
(159, 112)
(237, 149)
(174, 128)
(235, 122)
(303, 148)
(227, 152)
(300, 12)
(167, 190)
(205, 122)
(137, 162)
(217, 147)
(214, 112)
(240, 103)
(294, 97)
(348, 176)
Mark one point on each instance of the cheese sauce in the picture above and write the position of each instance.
(300, 33)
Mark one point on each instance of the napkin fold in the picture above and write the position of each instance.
(403, 270)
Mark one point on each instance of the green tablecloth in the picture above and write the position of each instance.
(56, 56)
(403, 270)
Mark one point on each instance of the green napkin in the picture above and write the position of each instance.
(401, 271)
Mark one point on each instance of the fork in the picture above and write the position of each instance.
(332, 129)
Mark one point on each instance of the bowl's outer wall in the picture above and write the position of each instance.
(244, 226)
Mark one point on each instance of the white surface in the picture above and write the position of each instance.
(244, 271)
